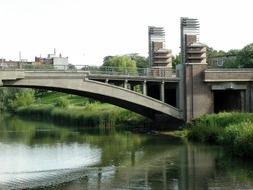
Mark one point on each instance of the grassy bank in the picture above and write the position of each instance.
(233, 130)
(74, 110)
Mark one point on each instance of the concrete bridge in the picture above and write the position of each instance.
(194, 91)
(100, 87)
(206, 90)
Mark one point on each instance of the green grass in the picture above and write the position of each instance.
(67, 109)
(234, 130)
(51, 97)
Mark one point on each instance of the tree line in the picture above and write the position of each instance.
(234, 58)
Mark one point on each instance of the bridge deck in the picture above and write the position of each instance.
(79, 83)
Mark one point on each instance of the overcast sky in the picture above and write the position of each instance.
(88, 30)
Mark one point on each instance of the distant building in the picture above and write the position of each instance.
(58, 62)
(52, 60)
(14, 64)
(42, 60)
(159, 56)
(61, 62)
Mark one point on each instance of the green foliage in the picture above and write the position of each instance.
(229, 58)
(245, 56)
(67, 109)
(92, 115)
(141, 62)
(24, 97)
(205, 134)
(214, 53)
(230, 129)
(6, 95)
(234, 58)
(233, 52)
(121, 64)
(61, 102)
(175, 61)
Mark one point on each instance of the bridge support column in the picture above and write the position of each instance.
(144, 87)
(106, 81)
(162, 92)
(125, 84)
(243, 105)
(198, 95)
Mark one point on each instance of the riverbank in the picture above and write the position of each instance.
(232, 130)
(66, 109)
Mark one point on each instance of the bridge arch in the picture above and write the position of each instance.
(115, 95)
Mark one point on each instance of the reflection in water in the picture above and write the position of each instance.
(39, 158)
(39, 155)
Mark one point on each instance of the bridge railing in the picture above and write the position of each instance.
(155, 72)
(97, 70)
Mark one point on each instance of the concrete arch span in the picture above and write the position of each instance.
(121, 97)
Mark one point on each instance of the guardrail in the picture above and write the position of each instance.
(96, 70)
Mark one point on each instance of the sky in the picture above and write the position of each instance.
(88, 30)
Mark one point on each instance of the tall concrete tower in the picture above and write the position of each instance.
(189, 34)
(192, 90)
(158, 55)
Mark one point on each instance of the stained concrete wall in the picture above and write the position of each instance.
(198, 94)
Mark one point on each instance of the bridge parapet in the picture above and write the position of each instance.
(11, 75)
(162, 72)
(223, 75)
(56, 74)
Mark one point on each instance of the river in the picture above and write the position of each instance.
(40, 155)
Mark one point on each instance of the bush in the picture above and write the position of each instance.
(205, 134)
(230, 129)
(61, 103)
(24, 97)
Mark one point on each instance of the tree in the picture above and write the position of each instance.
(233, 52)
(71, 67)
(214, 53)
(7, 94)
(107, 58)
(141, 62)
(24, 97)
(228, 59)
(175, 60)
(245, 56)
(121, 64)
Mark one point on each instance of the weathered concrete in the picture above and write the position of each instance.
(196, 90)
(198, 95)
(228, 75)
(77, 83)
(12, 74)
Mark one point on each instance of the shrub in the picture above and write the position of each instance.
(231, 129)
(61, 103)
(25, 97)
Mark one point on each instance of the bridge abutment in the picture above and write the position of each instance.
(198, 99)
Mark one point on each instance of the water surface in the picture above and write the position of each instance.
(39, 155)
